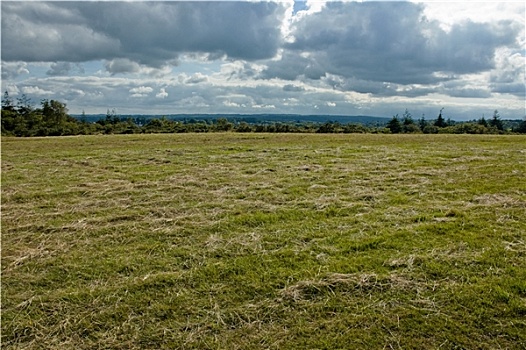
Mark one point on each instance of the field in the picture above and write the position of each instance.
(264, 241)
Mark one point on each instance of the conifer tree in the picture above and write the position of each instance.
(482, 121)
(394, 125)
(7, 102)
(440, 122)
(496, 122)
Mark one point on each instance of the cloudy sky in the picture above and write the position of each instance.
(308, 57)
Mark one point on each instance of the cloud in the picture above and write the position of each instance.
(121, 65)
(516, 88)
(195, 78)
(148, 33)
(329, 57)
(12, 90)
(35, 90)
(195, 103)
(61, 68)
(11, 70)
(294, 65)
(126, 66)
(508, 77)
(64, 68)
(449, 13)
(162, 93)
(387, 42)
(240, 70)
(292, 88)
(47, 32)
(469, 92)
(141, 91)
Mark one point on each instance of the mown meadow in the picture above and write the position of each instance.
(264, 241)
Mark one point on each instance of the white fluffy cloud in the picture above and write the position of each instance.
(11, 70)
(141, 91)
(35, 90)
(162, 93)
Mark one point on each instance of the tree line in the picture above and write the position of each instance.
(21, 118)
(495, 125)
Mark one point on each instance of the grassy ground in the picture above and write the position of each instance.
(240, 241)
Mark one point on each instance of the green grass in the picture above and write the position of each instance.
(264, 241)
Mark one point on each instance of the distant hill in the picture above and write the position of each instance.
(251, 118)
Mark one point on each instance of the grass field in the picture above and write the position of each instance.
(264, 241)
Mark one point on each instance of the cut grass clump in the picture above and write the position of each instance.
(278, 241)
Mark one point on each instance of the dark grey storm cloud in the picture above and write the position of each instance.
(149, 33)
(41, 31)
(388, 42)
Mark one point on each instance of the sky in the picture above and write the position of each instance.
(268, 57)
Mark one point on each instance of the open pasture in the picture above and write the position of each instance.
(264, 241)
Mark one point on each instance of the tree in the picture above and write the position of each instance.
(408, 118)
(83, 118)
(112, 117)
(9, 115)
(409, 125)
(440, 122)
(355, 129)
(24, 105)
(222, 124)
(55, 120)
(54, 112)
(243, 127)
(422, 122)
(7, 102)
(394, 125)
(496, 121)
(482, 121)
(522, 127)
(328, 128)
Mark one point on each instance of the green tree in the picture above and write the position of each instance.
(430, 129)
(328, 127)
(55, 120)
(407, 118)
(9, 115)
(112, 117)
(243, 127)
(440, 122)
(394, 125)
(355, 129)
(409, 126)
(522, 127)
(422, 122)
(222, 124)
(83, 118)
(496, 121)
(54, 112)
(24, 105)
(482, 121)
(7, 102)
